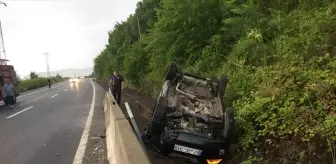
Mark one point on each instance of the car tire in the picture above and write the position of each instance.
(222, 84)
(172, 71)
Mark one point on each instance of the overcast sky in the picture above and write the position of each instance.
(72, 31)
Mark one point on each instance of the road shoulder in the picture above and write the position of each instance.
(95, 152)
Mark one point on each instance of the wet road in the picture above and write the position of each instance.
(46, 126)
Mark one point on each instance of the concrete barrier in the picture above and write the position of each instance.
(123, 147)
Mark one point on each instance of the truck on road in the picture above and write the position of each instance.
(7, 72)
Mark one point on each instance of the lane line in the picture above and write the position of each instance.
(54, 96)
(32, 93)
(20, 112)
(65, 90)
(36, 91)
(82, 144)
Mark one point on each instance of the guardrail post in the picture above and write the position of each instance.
(135, 126)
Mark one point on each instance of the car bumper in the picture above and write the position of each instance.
(211, 149)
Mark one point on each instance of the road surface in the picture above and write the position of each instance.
(46, 126)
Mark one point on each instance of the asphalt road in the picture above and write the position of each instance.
(46, 126)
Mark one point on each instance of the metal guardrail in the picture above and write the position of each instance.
(135, 127)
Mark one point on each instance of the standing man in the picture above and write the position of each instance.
(116, 84)
(9, 91)
(49, 83)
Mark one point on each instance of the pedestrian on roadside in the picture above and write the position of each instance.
(117, 84)
(9, 91)
(49, 83)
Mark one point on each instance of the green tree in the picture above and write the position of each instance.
(58, 76)
(33, 75)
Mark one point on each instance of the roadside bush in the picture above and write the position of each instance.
(30, 84)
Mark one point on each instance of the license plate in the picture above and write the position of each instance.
(188, 150)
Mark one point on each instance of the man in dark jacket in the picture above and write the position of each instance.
(117, 83)
(49, 83)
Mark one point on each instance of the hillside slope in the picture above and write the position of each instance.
(279, 56)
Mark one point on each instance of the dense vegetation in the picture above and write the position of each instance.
(36, 82)
(279, 56)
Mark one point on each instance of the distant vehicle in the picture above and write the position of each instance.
(7, 72)
(74, 80)
(189, 118)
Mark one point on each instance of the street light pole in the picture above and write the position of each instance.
(2, 44)
(47, 63)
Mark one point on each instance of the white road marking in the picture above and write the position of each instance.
(82, 144)
(54, 96)
(36, 91)
(33, 92)
(20, 112)
(65, 90)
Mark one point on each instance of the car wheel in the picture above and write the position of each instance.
(172, 71)
(222, 82)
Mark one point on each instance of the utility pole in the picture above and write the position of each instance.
(47, 62)
(2, 43)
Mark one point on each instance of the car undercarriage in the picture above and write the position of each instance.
(189, 118)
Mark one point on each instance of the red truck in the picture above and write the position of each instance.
(7, 72)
